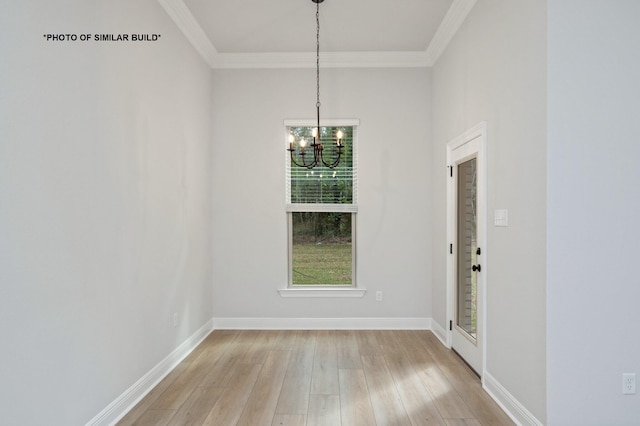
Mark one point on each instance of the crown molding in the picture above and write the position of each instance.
(450, 25)
(327, 60)
(181, 15)
(185, 21)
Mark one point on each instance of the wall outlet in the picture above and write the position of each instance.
(378, 296)
(175, 319)
(629, 383)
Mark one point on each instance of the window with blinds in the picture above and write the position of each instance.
(321, 207)
(322, 185)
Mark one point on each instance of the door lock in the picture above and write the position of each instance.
(476, 268)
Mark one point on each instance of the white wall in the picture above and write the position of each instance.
(494, 70)
(104, 204)
(394, 232)
(593, 210)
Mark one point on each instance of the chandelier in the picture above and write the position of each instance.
(316, 145)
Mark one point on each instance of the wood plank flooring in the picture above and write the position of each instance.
(323, 377)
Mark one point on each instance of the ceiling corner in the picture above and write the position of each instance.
(450, 25)
(327, 60)
(181, 15)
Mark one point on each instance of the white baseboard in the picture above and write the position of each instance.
(514, 409)
(125, 402)
(322, 323)
(439, 332)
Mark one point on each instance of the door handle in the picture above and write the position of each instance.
(476, 268)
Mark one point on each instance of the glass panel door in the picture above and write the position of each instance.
(466, 234)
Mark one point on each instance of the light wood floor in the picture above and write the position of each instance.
(319, 378)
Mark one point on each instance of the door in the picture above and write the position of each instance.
(466, 231)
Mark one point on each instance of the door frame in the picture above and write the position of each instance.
(477, 132)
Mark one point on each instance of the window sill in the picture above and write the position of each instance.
(322, 292)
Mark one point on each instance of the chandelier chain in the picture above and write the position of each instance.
(317, 146)
(318, 55)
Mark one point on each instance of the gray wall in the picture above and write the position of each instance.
(593, 208)
(394, 217)
(494, 70)
(104, 204)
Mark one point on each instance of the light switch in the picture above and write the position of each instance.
(501, 218)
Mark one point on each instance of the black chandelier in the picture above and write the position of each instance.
(317, 147)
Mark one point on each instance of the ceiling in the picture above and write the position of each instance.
(282, 33)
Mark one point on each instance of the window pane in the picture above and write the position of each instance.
(467, 283)
(322, 248)
(323, 185)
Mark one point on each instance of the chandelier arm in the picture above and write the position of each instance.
(304, 163)
(294, 161)
(335, 162)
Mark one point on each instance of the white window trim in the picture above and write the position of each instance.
(328, 290)
(322, 291)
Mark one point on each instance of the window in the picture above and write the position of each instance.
(321, 210)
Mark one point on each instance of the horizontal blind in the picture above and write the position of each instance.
(347, 208)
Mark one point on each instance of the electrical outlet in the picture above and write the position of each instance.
(175, 319)
(378, 296)
(629, 383)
